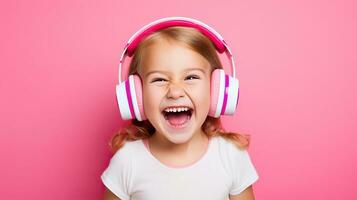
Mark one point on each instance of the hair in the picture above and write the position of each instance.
(196, 41)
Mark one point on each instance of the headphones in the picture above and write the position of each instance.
(224, 88)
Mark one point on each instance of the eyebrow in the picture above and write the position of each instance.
(188, 69)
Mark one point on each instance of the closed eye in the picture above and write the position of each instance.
(158, 80)
(192, 77)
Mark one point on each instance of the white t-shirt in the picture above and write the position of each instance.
(134, 173)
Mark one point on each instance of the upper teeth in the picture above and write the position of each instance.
(176, 109)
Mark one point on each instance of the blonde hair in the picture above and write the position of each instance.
(196, 41)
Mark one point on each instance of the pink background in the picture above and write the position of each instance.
(296, 63)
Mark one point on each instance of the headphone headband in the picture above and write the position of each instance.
(215, 37)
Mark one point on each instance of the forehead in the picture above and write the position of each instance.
(171, 57)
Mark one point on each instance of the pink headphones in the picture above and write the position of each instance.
(224, 88)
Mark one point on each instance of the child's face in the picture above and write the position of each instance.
(174, 75)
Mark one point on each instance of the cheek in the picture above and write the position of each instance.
(202, 94)
(151, 99)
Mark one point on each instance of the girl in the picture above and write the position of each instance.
(178, 151)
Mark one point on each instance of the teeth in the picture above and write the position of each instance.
(176, 109)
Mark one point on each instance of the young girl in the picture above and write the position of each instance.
(177, 150)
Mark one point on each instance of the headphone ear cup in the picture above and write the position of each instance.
(129, 98)
(224, 94)
(232, 96)
(139, 96)
(122, 101)
(215, 90)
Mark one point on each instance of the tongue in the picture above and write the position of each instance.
(177, 118)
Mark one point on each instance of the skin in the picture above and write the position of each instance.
(173, 74)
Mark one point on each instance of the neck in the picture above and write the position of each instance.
(162, 144)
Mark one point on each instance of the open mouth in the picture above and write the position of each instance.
(177, 117)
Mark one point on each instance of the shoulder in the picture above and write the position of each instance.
(238, 164)
(232, 155)
(118, 175)
(229, 147)
(121, 162)
(126, 152)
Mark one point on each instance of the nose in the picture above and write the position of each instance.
(175, 91)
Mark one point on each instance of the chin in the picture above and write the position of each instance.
(178, 137)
